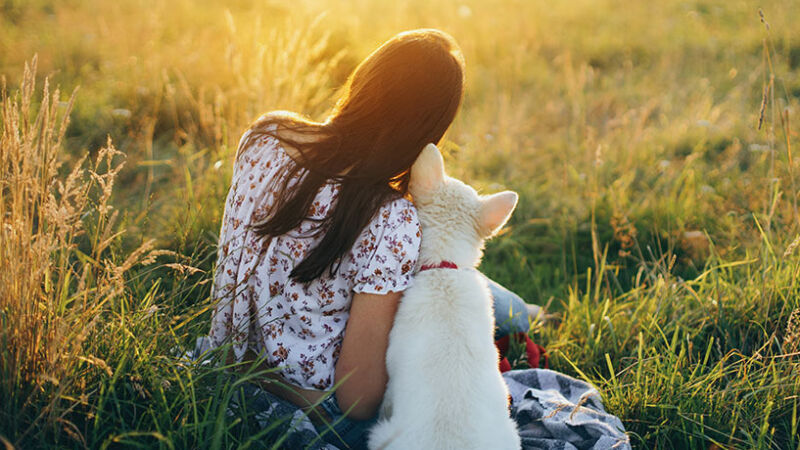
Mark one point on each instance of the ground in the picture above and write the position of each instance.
(651, 144)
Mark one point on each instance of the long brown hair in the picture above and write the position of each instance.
(401, 97)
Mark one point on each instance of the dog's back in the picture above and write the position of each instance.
(445, 390)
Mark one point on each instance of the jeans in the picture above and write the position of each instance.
(511, 315)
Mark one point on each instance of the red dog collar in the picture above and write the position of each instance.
(441, 265)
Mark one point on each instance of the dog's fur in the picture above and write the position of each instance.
(445, 390)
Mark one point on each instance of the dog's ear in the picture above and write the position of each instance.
(496, 210)
(427, 172)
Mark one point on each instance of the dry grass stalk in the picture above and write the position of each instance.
(791, 339)
(790, 249)
(52, 295)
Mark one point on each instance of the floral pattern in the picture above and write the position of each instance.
(298, 327)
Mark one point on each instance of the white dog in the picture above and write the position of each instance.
(445, 390)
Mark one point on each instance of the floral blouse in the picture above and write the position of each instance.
(299, 327)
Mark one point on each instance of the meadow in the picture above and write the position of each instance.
(651, 143)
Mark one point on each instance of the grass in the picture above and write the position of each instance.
(651, 143)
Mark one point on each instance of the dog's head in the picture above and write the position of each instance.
(455, 219)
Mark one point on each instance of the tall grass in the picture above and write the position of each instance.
(51, 292)
(87, 344)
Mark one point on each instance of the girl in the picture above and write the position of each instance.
(319, 241)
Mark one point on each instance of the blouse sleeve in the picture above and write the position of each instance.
(388, 249)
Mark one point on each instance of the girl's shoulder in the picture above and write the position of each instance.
(387, 251)
(395, 229)
(267, 134)
(397, 214)
(259, 149)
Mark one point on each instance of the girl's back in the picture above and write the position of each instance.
(298, 326)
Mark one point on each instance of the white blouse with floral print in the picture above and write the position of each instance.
(298, 327)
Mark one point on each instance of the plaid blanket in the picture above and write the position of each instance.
(553, 412)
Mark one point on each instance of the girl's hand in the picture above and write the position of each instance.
(362, 360)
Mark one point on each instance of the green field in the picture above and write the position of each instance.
(651, 143)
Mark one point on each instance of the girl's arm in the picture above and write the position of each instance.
(362, 360)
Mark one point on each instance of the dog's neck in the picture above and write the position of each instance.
(460, 249)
